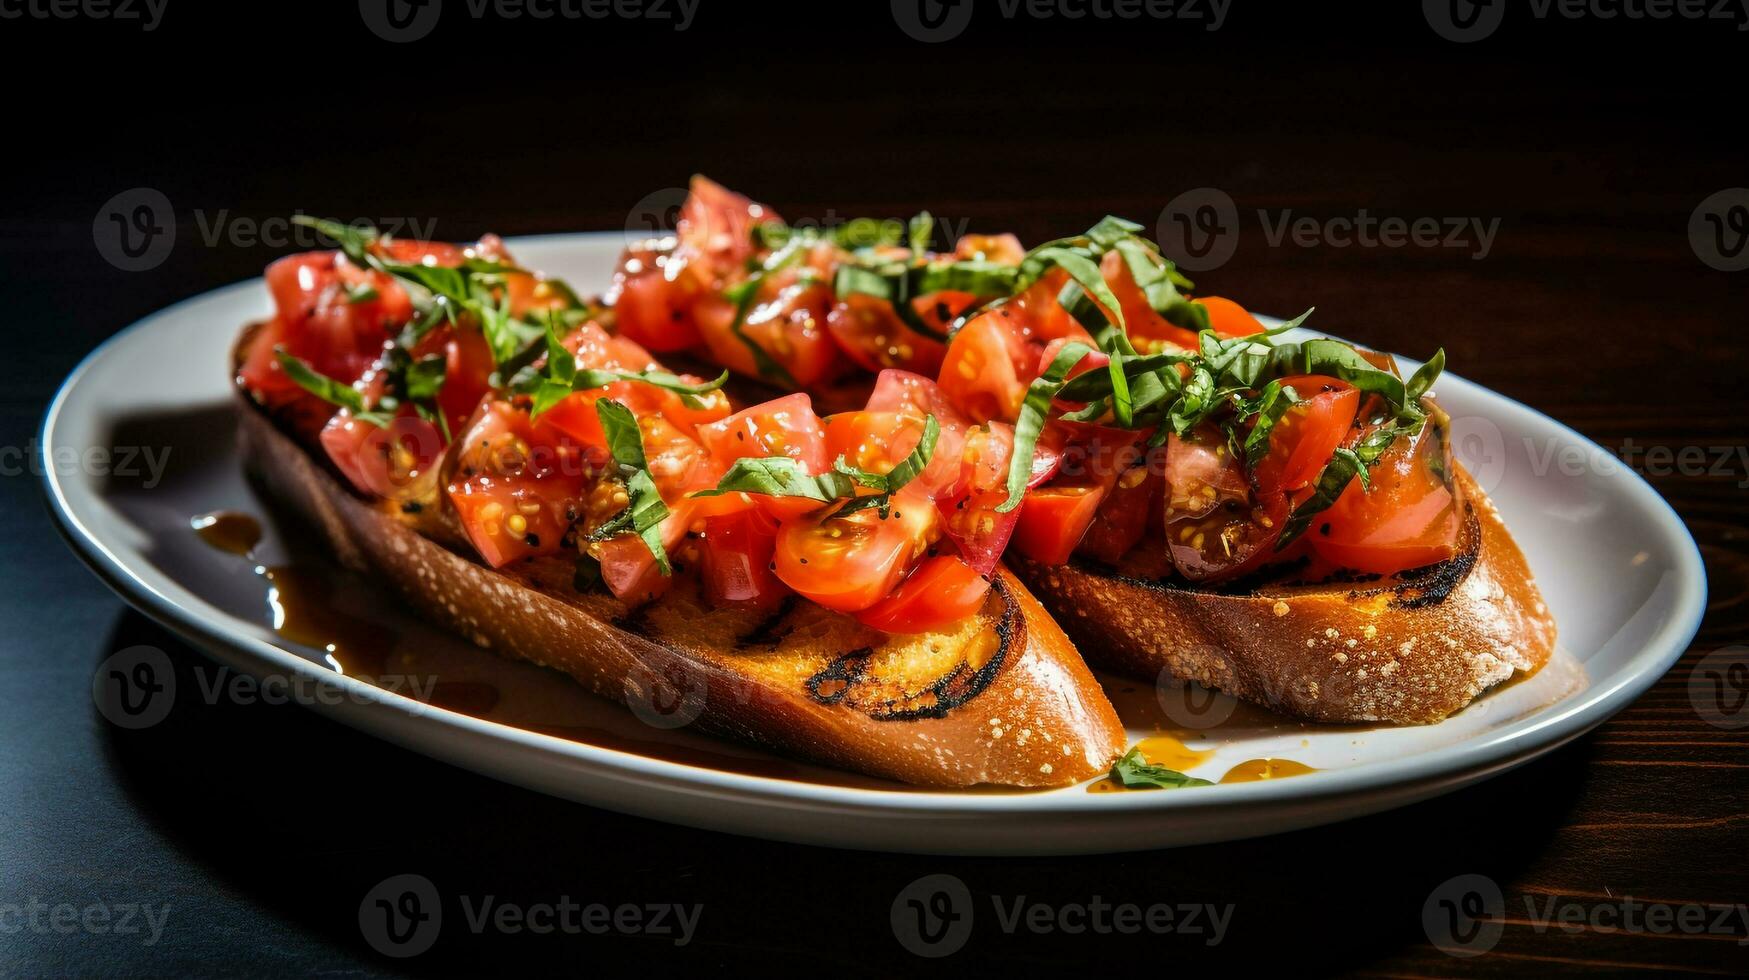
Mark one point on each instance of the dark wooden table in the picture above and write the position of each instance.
(1591, 143)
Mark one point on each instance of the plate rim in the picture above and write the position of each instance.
(1539, 732)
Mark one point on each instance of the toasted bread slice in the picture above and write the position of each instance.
(1409, 649)
(1003, 699)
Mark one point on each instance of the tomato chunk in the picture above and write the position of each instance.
(942, 591)
(515, 492)
(851, 563)
(1411, 517)
(738, 560)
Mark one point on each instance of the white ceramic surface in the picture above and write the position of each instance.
(1618, 568)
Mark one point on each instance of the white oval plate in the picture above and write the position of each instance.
(1617, 567)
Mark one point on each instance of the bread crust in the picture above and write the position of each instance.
(1410, 649)
(1003, 700)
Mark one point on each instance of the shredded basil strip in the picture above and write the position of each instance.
(1271, 404)
(1031, 422)
(645, 513)
(336, 393)
(1134, 771)
(744, 294)
(424, 378)
(1344, 466)
(781, 476)
(446, 292)
(899, 284)
(1423, 379)
(895, 479)
(562, 377)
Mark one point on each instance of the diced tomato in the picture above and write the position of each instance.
(971, 518)
(1123, 515)
(738, 560)
(942, 591)
(629, 569)
(398, 461)
(1143, 323)
(904, 391)
(1229, 319)
(787, 323)
(1053, 520)
(879, 441)
(851, 563)
(987, 368)
(1038, 315)
(717, 224)
(596, 349)
(871, 333)
(515, 492)
(1003, 249)
(1306, 435)
(652, 296)
(302, 412)
(713, 407)
(467, 373)
(1217, 526)
(784, 426)
(333, 315)
(1411, 516)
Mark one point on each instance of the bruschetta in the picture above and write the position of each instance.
(1193, 496)
(469, 433)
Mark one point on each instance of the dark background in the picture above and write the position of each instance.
(1591, 141)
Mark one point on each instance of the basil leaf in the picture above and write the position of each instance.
(329, 390)
(1422, 380)
(1271, 404)
(645, 513)
(624, 440)
(1343, 467)
(1112, 230)
(1339, 360)
(1032, 420)
(781, 476)
(424, 378)
(1082, 270)
(355, 241)
(562, 377)
(906, 470)
(1134, 771)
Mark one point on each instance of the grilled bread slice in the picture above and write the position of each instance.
(1408, 649)
(1003, 699)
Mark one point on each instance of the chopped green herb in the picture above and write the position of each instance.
(1134, 771)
